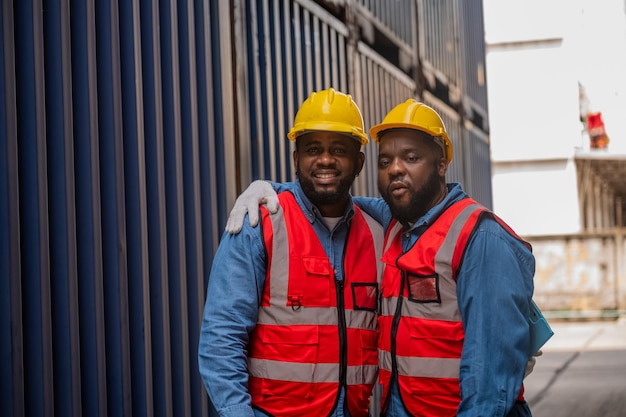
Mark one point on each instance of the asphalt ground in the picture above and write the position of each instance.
(582, 371)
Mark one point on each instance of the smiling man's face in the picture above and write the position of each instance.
(411, 173)
(326, 164)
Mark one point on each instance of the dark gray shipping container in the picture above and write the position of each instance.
(451, 51)
(127, 130)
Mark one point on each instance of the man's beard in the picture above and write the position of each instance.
(419, 202)
(322, 198)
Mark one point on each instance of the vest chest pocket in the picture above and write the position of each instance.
(423, 289)
(315, 283)
(436, 339)
(299, 343)
(365, 296)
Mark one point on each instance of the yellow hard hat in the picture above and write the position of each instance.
(418, 116)
(330, 111)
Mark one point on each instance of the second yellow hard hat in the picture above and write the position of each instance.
(415, 115)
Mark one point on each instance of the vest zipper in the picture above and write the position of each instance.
(394, 327)
(394, 332)
(343, 358)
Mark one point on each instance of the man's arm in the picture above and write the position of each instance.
(494, 288)
(375, 207)
(230, 313)
(262, 192)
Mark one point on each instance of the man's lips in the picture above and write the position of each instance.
(397, 188)
(325, 177)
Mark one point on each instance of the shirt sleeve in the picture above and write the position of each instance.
(279, 187)
(494, 289)
(375, 207)
(230, 314)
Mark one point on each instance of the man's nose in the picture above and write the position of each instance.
(325, 158)
(396, 167)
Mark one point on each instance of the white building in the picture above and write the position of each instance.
(551, 63)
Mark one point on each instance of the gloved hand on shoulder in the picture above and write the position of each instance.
(258, 193)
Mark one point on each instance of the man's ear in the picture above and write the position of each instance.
(295, 159)
(442, 167)
(361, 163)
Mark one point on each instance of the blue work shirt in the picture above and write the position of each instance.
(494, 291)
(231, 310)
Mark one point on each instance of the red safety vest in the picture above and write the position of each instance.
(314, 333)
(421, 332)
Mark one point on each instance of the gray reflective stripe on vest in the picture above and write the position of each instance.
(443, 259)
(279, 268)
(446, 311)
(422, 367)
(309, 372)
(313, 315)
(378, 234)
(388, 307)
(397, 227)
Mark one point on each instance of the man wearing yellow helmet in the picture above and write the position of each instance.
(457, 282)
(289, 326)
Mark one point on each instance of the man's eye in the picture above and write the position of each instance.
(312, 151)
(382, 163)
(339, 151)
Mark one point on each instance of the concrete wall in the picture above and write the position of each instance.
(581, 274)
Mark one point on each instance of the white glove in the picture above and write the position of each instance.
(530, 365)
(258, 193)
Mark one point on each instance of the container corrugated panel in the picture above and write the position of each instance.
(286, 50)
(452, 122)
(396, 18)
(110, 202)
(472, 62)
(452, 55)
(380, 87)
(438, 45)
(471, 160)
(477, 158)
(278, 37)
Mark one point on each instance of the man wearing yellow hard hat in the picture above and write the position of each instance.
(289, 326)
(457, 282)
